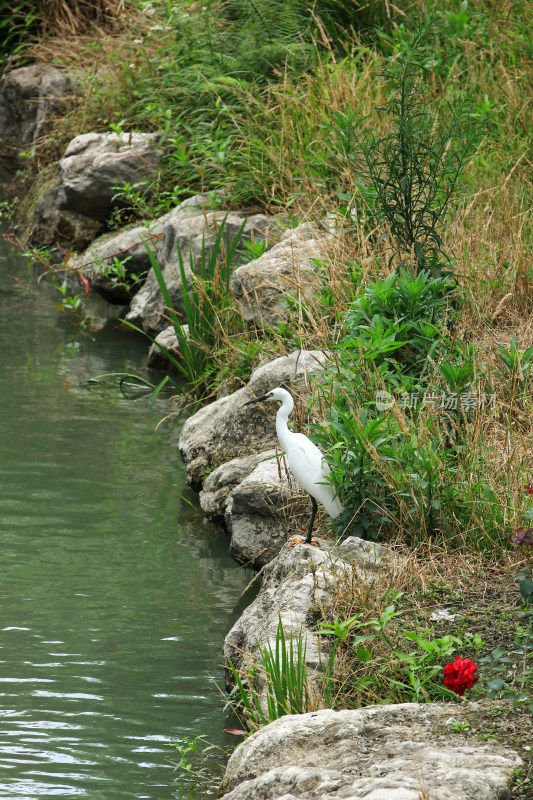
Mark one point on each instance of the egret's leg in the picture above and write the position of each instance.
(311, 521)
(294, 540)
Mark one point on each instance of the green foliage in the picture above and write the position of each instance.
(516, 366)
(398, 313)
(122, 280)
(203, 296)
(226, 54)
(398, 477)
(406, 470)
(72, 303)
(282, 672)
(445, 49)
(196, 767)
(508, 673)
(414, 170)
(18, 26)
(389, 663)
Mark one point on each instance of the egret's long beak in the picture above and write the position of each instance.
(257, 399)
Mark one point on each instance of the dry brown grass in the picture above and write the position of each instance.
(72, 18)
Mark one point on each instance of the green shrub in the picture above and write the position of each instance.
(204, 296)
(282, 671)
(398, 314)
(415, 168)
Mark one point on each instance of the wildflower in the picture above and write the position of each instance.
(459, 675)
(529, 488)
(521, 536)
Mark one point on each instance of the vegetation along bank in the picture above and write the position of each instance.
(334, 198)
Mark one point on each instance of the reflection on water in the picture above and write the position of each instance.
(114, 597)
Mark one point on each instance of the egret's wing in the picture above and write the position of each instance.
(308, 466)
(305, 461)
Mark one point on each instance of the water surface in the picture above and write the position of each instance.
(114, 597)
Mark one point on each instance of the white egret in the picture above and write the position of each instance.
(305, 461)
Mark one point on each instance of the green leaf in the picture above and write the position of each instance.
(363, 654)
(496, 684)
(526, 589)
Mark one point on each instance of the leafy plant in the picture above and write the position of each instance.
(196, 765)
(509, 672)
(402, 311)
(281, 670)
(381, 668)
(72, 304)
(414, 170)
(123, 281)
(516, 367)
(202, 296)
(457, 369)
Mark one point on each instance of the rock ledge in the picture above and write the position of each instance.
(394, 752)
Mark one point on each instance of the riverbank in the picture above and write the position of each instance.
(445, 465)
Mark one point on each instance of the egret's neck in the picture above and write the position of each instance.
(282, 418)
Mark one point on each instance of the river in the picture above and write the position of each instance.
(114, 596)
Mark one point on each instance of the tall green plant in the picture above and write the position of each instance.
(202, 296)
(282, 670)
(415, 168)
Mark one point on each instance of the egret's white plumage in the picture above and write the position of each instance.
(305, 460)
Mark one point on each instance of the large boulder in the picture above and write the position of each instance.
(297, 581)
(258, 511)
(219, 484)
(117, 263)
(193, 228)
(260, 287)
(226, 429)
(393, 752)
(27, 96)
(53, 228)
(95, 164)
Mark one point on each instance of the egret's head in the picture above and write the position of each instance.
(275, 394)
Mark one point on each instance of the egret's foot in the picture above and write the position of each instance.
(294, 540)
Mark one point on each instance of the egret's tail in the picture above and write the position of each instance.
(325, 494)
(334, 507)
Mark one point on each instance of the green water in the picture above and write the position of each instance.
(114, 597)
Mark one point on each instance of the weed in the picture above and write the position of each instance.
(196, 766)
(276, 684)
(202, 296)
(414, 170)
(388, 661)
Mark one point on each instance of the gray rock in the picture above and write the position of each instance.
(27, 96)
(94, 164)
(185, 230)
(292, 583)
(219, 484)
(260, 287)
(226, 430)
(52, 227)
(364, 556)
(157, 358)
(128, 246)
(395, 752)
(257, 513)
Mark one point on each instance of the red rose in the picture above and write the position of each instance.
(459, 675)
